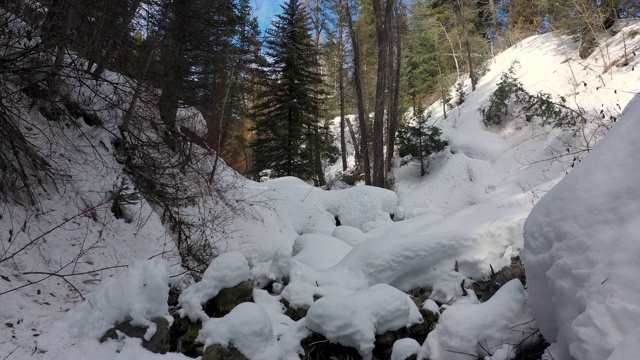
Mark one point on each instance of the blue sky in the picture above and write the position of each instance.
(265, 11)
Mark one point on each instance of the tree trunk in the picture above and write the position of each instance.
(343, 142)
(467, 44)
(383, 25)
(317, 160)
(395, 95)
(354, 141)
(112, 46)
(357, 69)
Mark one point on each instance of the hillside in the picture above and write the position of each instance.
(71, 267)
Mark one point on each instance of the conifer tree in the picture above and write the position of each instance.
(289, 103)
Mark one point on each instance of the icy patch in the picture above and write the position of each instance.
(355, 320)
(248, 328)
(225, 271)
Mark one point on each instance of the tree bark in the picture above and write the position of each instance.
(112, 46)
(343, 142)
(467, 44)
(383, 26)
(357, 69)
(395, 94)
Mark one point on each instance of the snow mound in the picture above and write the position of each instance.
(404, 348)
(319, 251)
(248, 328)
(138, 294)
(417, 253)
(349, 234)
(225, 271)
(465, 329)
(582, 240)
(356, 319)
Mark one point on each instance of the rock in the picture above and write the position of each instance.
(159, 342)
(384, 343)
(294, 313)
(485, 289)
(227, 299)
(183, 335)
(219, 352)
(422, 293)
(317, 347)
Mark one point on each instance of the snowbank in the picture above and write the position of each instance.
(582, 243)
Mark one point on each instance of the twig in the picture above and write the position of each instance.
(14, 350)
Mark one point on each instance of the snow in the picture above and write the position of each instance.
(248, 328)
(404, 348)
(319, 251)
(354, 320)
(582, 241)
(225, 271)
(470, 210)
(466, 329)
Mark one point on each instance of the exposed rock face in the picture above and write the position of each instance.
(159, 342)
(227, 299)
(219, 352)
(485, 289)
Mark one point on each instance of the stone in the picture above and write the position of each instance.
(485, 289)
(227, 299)
(418, 332)
(183, 336)
(317, 347)
(159, 342)
(294, 314)
(219, 352)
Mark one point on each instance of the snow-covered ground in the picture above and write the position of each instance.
(580, 244)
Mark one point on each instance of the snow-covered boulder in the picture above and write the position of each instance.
(356, 319)
(247, 328)
(582, 245)
(466, 329)
(225, 271)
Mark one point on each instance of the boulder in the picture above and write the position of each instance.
(384, 343)
(183, 335)
(317, 347)
(219, 352)
(229, 298)
(485, 289)
(159, 342)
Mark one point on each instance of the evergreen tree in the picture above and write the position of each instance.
(419, 139)
(289, 103)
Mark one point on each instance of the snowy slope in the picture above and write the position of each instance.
(468, 210)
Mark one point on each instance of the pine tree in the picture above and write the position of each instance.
(289, 103)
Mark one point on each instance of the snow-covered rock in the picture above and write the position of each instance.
(356, 319)
(248, 328)
(225, 271)
(467, 329)
(582, 244)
